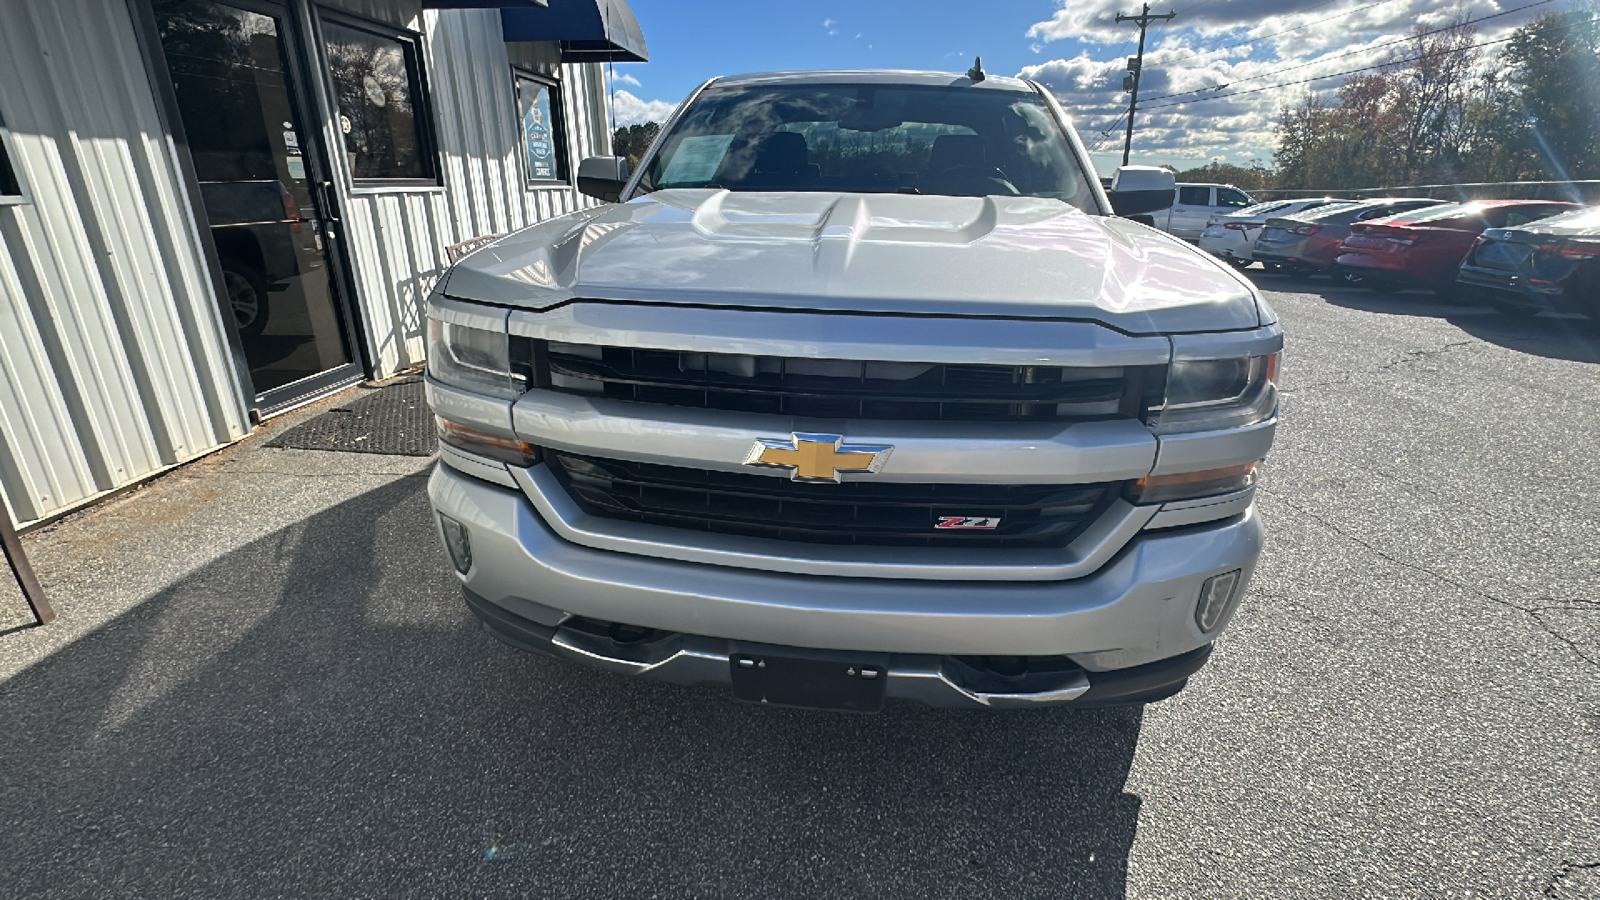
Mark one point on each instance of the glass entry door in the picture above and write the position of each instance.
(255, 157)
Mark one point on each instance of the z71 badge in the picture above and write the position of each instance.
(987, 523)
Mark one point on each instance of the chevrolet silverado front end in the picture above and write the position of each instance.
(861, 393)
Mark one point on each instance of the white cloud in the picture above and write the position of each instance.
(829, 23)
(1197, 52)
(630, 110)
(625, 78)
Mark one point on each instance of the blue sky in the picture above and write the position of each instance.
(691, 40)
(1074, 47)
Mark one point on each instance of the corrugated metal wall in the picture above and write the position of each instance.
(397, 236)
(113, 361)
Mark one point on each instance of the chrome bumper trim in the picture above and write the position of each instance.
(1208, 509)
(925, 452)
(475, 465)
(1203, 450)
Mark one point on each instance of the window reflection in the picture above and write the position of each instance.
(375, 78)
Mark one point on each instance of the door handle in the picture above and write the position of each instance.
(325, 199)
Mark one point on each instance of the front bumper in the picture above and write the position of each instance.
(1135, 610)
(697, 660)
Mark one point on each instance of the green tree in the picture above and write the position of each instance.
(1554, 65)
(1497, 143)
(1424, 114)
(1253, 177)
(632, 141)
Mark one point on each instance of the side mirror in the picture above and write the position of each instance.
(1141, 189)
(603, 177)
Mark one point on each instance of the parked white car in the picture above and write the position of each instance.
(1233, 237)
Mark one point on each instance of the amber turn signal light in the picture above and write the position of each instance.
(483, 443)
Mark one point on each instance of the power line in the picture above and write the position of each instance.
(1204, 48)
(1108, 133)
(1262, 37)
(1204, 2)
(1357, 51)
(1385, 65)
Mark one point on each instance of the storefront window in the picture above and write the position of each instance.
(381, 113)
(542, 132)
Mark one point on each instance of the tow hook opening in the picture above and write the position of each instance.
(1012, 675)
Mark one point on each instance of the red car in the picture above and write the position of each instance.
(1425, 248)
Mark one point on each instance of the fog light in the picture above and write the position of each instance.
(459, 543)
(1215, 598)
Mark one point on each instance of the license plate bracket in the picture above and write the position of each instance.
(808, 683)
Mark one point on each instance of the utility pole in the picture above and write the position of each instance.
(1135, 65)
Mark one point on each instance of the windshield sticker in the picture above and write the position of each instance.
(696, 159)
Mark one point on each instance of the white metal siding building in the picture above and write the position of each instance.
(176, 262)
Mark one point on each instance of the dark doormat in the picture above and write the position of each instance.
(392, 419)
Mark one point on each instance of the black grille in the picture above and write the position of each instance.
(821, 388)
(857, 512)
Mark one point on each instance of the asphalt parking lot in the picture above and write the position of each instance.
(263, 683)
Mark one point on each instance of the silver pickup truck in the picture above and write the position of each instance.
(860, 391)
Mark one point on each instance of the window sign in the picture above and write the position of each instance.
(697, 158)
(541, 131)
(381, 112)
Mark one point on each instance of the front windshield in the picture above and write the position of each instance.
(956, 141)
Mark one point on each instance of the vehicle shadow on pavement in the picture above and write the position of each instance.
(1574, 339)
(316, 714)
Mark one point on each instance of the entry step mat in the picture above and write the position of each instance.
(392, 419)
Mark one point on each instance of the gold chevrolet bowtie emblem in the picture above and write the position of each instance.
(817, 457)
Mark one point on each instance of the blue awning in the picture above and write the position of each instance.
(589, 30)
(483, 4)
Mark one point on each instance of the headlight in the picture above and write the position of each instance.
(1214, 394)
(473, 359)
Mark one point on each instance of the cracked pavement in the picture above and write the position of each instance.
(263, 682)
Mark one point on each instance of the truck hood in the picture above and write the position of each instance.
(863, 253)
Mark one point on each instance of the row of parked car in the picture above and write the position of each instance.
(1519, 255)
